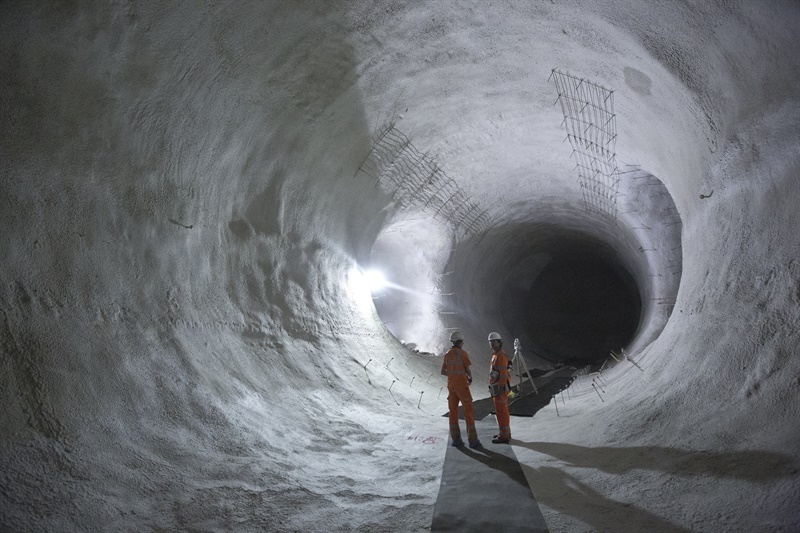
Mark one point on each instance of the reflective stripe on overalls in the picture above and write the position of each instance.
(454, 366)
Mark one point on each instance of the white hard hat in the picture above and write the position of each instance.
(456, 336)
(494, 336)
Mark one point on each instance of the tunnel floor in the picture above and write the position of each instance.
(485, 489)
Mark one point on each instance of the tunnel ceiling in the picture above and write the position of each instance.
(478, 97)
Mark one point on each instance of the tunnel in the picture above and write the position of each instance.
(580, 307)
(192, 195)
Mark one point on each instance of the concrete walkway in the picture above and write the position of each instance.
(485, 490)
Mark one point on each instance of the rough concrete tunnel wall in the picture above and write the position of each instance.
(186, 343)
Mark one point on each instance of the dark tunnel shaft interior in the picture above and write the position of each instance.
(577, 309)
(569, 294)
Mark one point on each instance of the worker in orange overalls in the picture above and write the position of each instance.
(456, 367)
(499, 385)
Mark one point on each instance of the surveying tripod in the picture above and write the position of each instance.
(519, 362)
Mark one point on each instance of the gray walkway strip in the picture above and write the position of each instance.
(485, 490)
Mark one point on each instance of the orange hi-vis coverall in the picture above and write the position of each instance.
(455, 364)
(500, 366)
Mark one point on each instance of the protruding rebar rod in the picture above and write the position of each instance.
(632, 361)
(598, 392)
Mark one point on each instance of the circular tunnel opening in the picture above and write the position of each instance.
(572, 289)
(572, 286)
(578, 308)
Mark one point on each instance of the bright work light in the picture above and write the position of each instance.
(375, 280)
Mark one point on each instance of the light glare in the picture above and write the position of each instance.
(375, 280)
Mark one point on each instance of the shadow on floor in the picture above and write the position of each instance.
(485, 489)
(759, 467)
(569, 496)
(497, 461)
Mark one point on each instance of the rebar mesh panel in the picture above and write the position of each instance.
(591, 127)
(413, 178)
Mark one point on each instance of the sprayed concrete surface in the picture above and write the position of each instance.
(187, 342)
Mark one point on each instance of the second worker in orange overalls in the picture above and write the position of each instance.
(499, 385)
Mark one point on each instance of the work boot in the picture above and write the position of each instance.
(500, 441)
(457, 443)
(475, 444)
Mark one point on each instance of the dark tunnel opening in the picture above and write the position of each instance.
(572, 290)
(578, 308)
